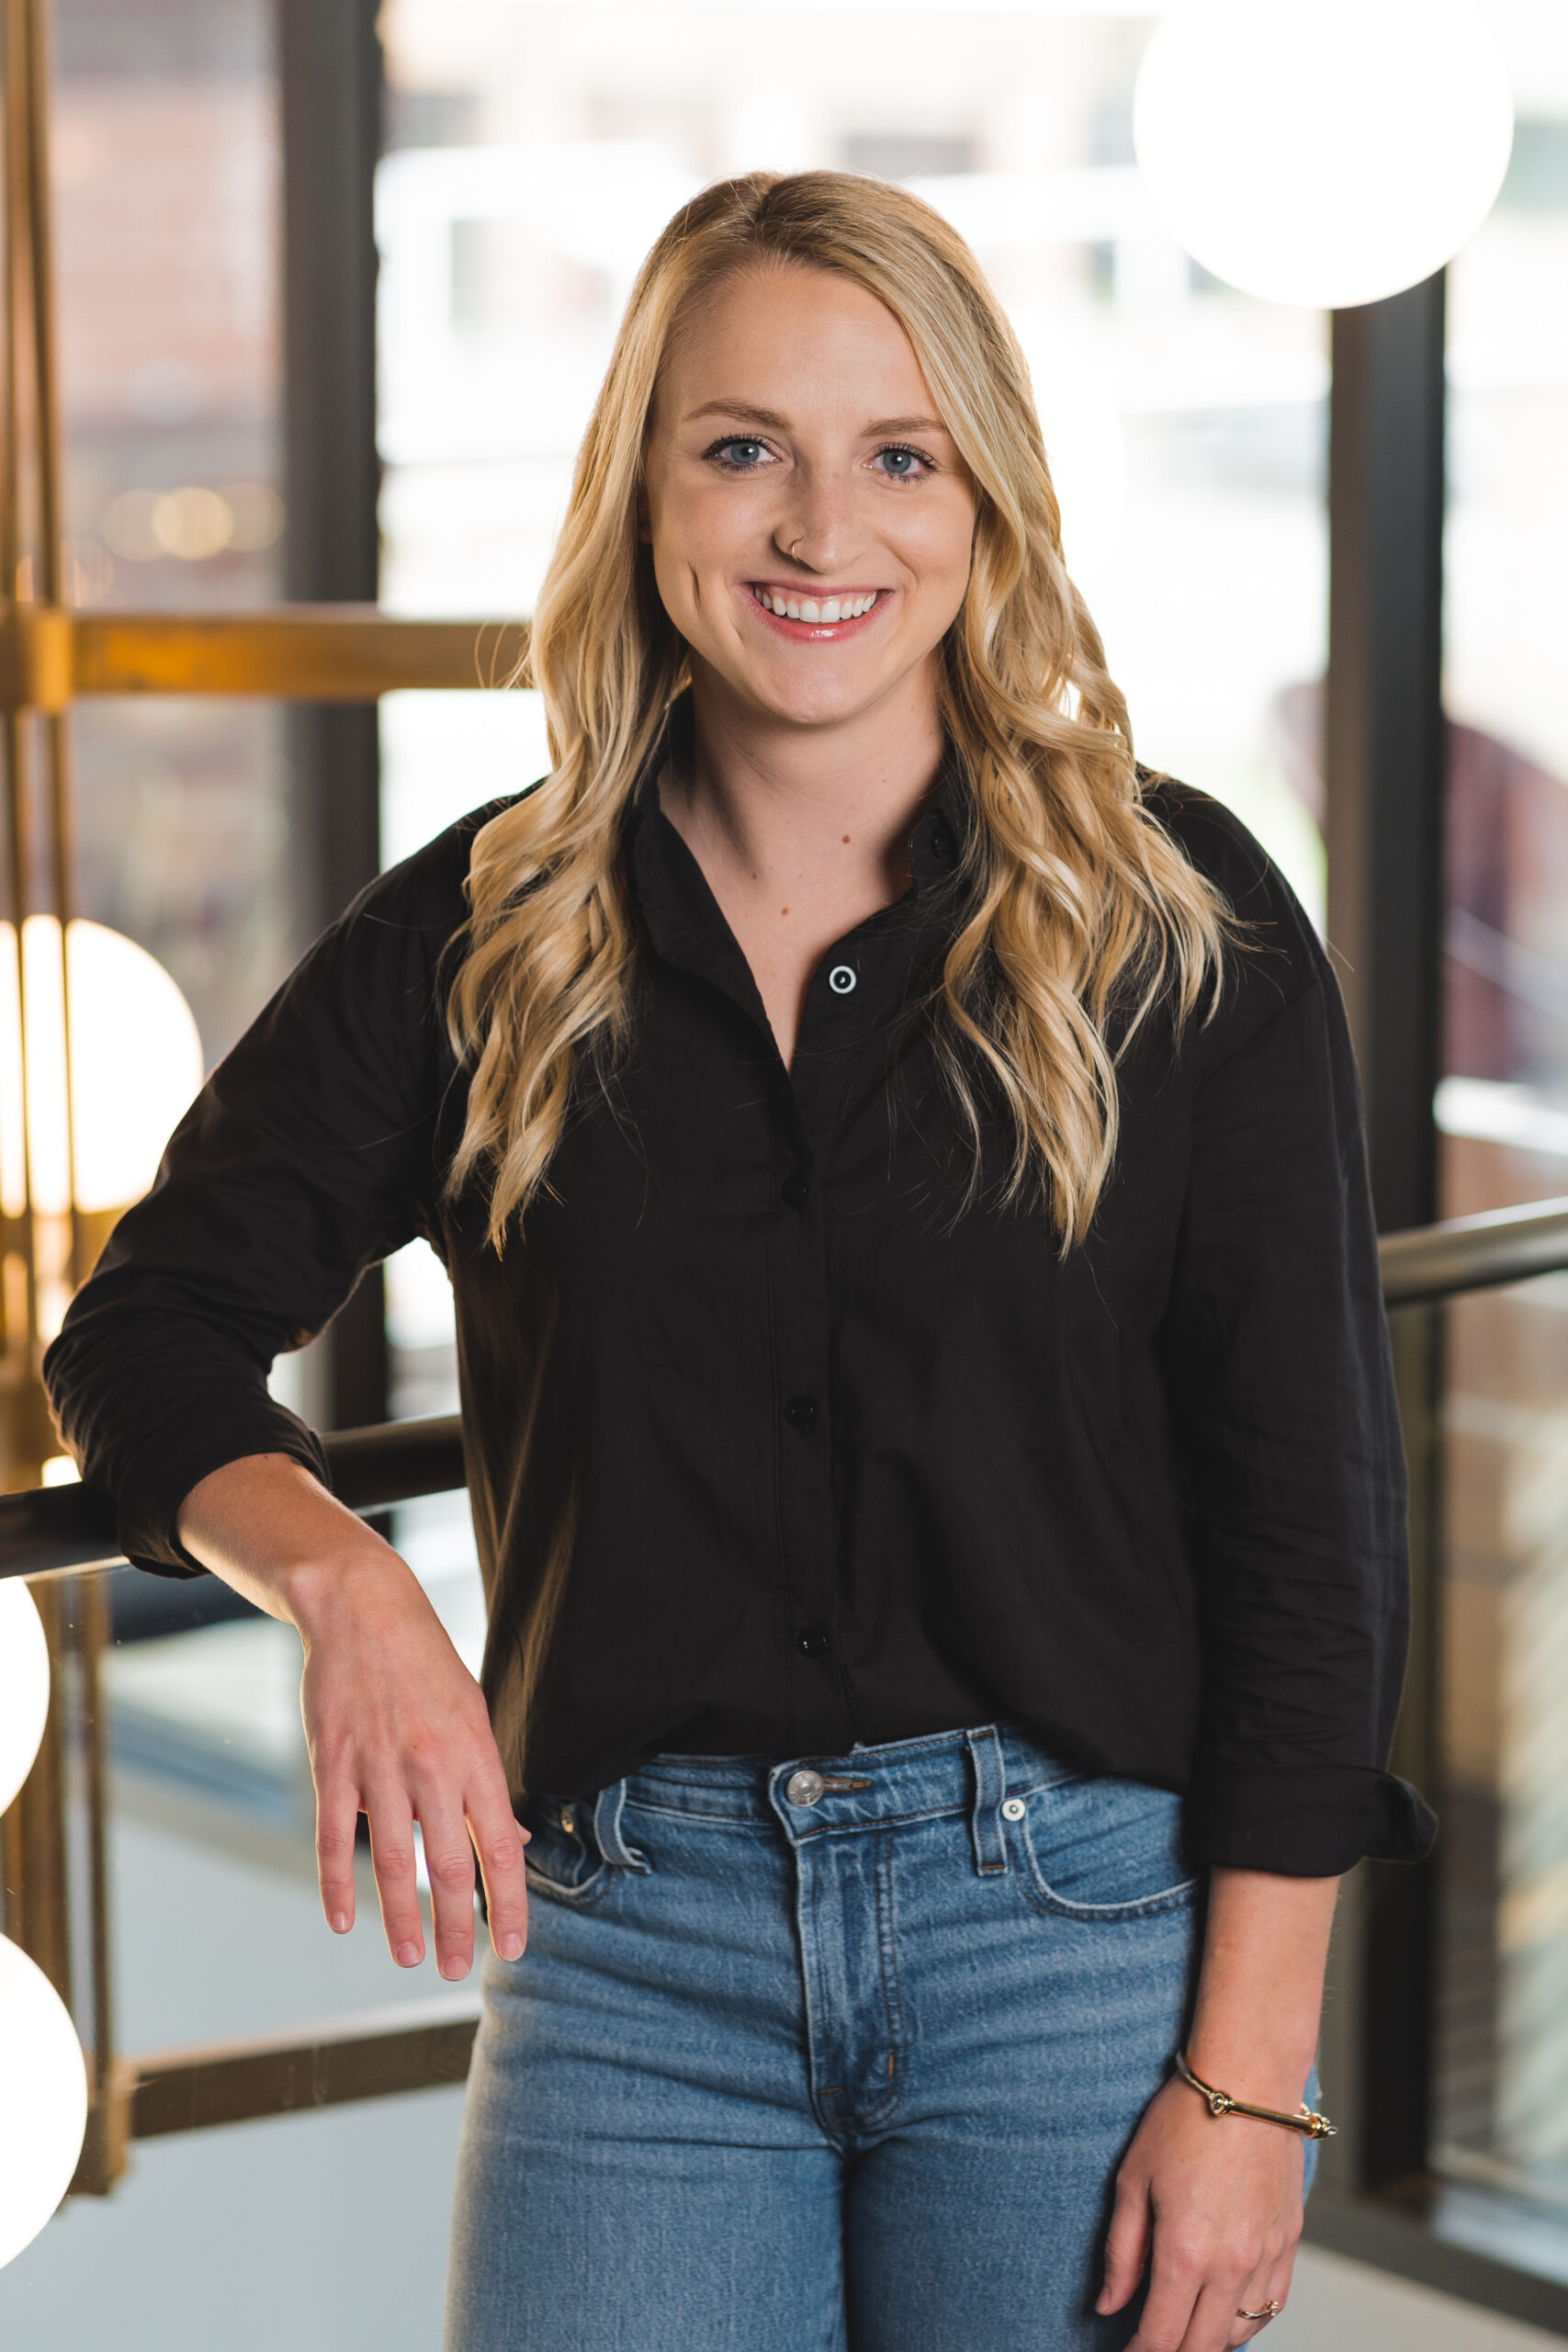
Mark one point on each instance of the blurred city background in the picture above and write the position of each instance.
(532, 150)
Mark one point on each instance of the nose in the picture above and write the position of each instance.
(816, 533)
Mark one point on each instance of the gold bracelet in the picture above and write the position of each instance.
(1311, 2125)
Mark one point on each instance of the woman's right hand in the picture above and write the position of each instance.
(395, 1724)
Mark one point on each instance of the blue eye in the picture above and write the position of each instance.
(742, 456)
(903, 465)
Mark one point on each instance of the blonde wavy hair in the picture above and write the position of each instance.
(1082, 913)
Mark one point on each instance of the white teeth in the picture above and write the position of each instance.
(805, 608)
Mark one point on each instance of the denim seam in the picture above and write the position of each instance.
(595, 1885)
(1171, 1898)
(895, 1820)
(816, 2008)
(1043, 1897)
(755, 1824)
(892, 1994)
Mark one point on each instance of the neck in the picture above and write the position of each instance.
(776, 792)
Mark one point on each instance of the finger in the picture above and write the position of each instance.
(391, 1852)
(499, 1840)
(337, 1816)
(1193, 2298)
(449, 1861)
(1271, 2285)
(1175, 2283)
(1126, 2245)
(1213, 2322)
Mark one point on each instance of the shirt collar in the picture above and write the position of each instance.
(669, 885)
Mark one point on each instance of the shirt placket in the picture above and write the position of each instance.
(833, 1031)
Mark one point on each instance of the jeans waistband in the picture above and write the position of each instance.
(973, 1772)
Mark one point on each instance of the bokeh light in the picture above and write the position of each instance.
(1326, 153)
(136, 1061)
(43, 2111)
(24, 1685)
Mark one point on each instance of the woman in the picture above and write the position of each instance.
(931, 1434)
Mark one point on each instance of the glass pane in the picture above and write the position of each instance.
(1502, 2085)
(165, 158)
(1503, 1110)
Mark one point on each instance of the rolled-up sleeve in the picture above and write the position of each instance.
(1281, 1385)
(307, 1157)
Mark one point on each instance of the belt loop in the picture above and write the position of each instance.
(991, 1786)
(608, 1809)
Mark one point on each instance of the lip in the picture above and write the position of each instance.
(814, 632)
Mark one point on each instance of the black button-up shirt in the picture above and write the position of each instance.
(780, 1436)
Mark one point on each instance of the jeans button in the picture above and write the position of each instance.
(804, 1788)
(1013, 1809)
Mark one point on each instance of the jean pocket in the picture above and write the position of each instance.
(1096, 1849)
(559, 1861)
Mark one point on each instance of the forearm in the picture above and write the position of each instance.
(395, 1724)
(1260, 1991)
(274, 1534)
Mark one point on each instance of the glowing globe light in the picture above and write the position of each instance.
(44, 2113)
(24, 1686)
(135, 1064)
(1327, 152)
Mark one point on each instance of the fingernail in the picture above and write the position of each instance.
(453, 1964)
(407, 1955)
(510, 1947)
(340, 1923)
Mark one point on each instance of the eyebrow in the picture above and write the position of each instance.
(777, 423)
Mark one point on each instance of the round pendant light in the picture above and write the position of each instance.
(1326, 152)
(24, 1686)
(43, 2107)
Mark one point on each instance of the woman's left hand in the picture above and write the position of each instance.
(1214, 2207)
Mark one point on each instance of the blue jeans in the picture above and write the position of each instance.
(828, 2052)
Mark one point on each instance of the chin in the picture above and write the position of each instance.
(817, 703)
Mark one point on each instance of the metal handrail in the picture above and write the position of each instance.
(1466, 1253)
(53, 1530)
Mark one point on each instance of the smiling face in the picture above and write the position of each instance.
(809, 516)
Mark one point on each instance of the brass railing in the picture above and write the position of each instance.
(52, 1534)
(52, 655)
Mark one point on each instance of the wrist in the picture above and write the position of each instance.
(1275, 2076)
(358, 1578)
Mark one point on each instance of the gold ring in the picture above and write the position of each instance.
(1269, 2311)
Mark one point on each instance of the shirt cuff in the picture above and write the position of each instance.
(159, 1479)
(1311, 1824)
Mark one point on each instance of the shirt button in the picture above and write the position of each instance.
(795, 1190)
(804, 1788)
(842, 979)
(813, 1641)
(801, 1414)
(941, 844)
